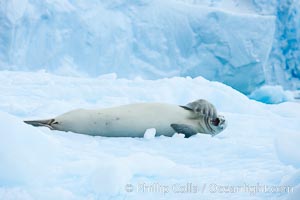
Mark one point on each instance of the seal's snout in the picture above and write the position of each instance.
(219, 122)
(222, 122)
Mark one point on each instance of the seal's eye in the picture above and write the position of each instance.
(216, 121)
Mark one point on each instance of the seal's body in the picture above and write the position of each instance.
(134, 119)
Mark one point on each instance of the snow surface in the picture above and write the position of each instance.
(259, 146)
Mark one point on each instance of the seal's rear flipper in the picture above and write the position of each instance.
(47, 123)
(187, 130)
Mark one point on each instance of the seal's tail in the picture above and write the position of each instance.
(47, 123)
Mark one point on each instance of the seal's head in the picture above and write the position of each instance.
(217, 124)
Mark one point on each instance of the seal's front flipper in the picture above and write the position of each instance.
(187, 130)
(202, 107)
(47, 123)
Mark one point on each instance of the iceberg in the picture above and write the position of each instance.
(147, 39)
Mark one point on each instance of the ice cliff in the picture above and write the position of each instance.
(241, 43)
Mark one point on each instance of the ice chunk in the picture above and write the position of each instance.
(295, 194)
(271, 94)
(286, 147)
(150, 133)
(26, 153)
(178, 135)
(110, 178)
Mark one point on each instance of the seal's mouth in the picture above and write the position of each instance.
(215, 121)
(220, 122)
